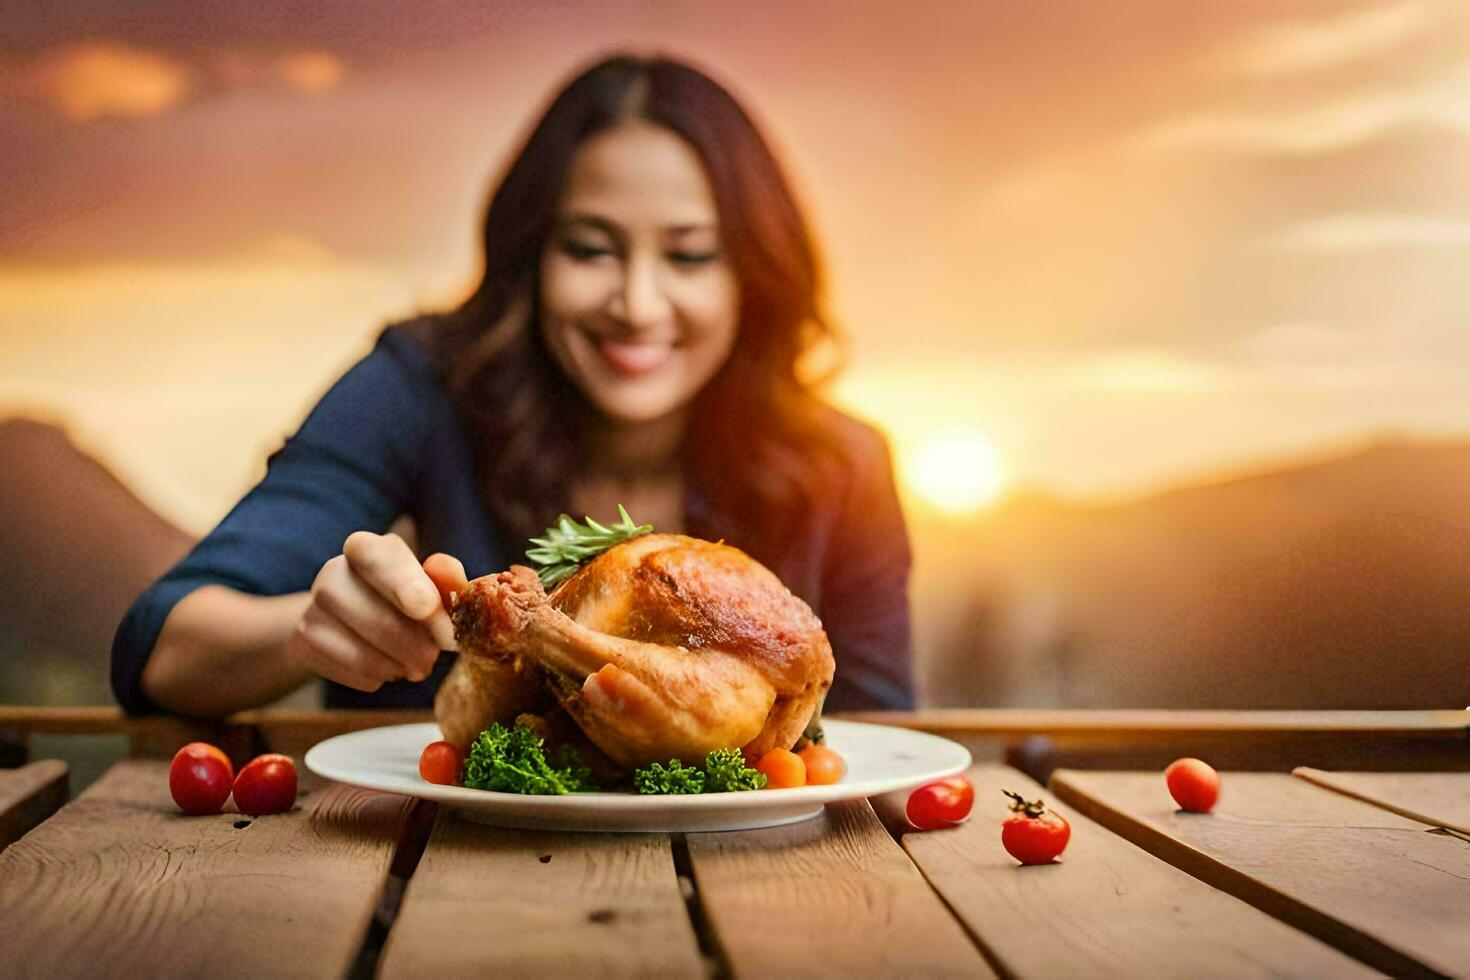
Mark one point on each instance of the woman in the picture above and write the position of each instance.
(649, 293)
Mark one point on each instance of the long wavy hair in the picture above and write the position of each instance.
(753, 449)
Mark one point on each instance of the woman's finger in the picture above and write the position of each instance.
(345, 596)
(448, 576)
(329, 648)
(389, 566)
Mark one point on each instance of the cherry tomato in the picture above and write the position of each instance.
(1034, 834)
(783, 768)
(199, 778)
(962, 786)
(441, 763)
(823, 766)
(940, 804)
(266, 784)
(1194, 785)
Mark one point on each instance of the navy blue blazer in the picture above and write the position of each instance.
(386, 440)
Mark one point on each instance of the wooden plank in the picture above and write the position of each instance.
(1453, 726)
(1041, 756)
(65, 721)
(1040, 741)
(1440, 799)
(1148, 724)
(294, 730)
(331, 721)
(102, 719)
(487, 901)
(160, 736)
(122, 883)
(317, 723)
(830, 896)
(248, 733)
(1374, 884)
(1105, 908)
(29, 795)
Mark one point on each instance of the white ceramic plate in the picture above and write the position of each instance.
(880, 760)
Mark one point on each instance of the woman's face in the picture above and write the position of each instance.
(639, 303)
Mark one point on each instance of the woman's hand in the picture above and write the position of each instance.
(376, 615)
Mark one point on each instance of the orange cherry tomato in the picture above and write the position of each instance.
(441, 763)
(783, 768)
(1195, 785)
(199, 778)
(823, 766)
(266, 784)
(943, 803)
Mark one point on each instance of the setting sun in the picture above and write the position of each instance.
(957, 471)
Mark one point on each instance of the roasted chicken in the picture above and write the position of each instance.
(663, 646)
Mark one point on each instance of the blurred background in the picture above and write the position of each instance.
(1162, 305)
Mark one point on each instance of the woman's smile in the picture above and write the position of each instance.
(633, 357)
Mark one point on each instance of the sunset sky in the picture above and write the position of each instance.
(1131, 244)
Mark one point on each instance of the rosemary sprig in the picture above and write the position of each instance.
(567, 544)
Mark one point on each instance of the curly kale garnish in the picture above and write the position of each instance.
(570, 764)
(724, 771)
(513, 760)
(727, 772)
(677, 778)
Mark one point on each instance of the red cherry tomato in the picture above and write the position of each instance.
(1034, 834)
(199, 778)
(940, 804)
(441, 763)
(823, 766)
(783, 768)
(1194, 785)
(962, 786)
(266, 784)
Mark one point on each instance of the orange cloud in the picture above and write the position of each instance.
(312, 72)
(94, 80)
(1355, 231)
(99, 79)
(1326, 42)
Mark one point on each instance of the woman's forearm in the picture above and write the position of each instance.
(222, 651)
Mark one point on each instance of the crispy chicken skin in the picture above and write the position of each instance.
(478, 691)
(661, 647)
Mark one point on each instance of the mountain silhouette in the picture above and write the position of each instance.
(79, 546)
(1342, 583)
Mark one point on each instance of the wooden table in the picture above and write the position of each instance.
(1316, 873)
